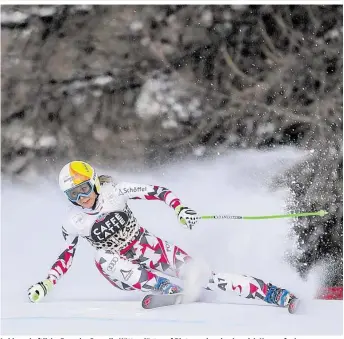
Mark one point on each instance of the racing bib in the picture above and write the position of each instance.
(108, 225)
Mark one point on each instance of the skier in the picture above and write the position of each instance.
(128, 255)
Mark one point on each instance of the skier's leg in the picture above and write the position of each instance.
(115, 282)
(250, 287)
(156, 254)
(159, 255)
(128, 276)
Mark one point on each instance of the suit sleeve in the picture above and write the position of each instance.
(64, 261)
(148, 192)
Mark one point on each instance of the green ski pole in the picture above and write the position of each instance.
(320, 213)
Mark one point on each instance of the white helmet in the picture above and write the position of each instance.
(78, 178)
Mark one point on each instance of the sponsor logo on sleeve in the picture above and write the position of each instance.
(78, 221)
(136, 189)
(65, 233)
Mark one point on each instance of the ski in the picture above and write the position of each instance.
(151, 301)
(293, 305)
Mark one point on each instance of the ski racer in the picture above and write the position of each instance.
(127, 254)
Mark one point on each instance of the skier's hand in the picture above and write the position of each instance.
(38, 291)
(186, 216)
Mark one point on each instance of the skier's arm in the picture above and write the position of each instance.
(39, 290)
(186, 216)
(148, 192)
(64, 261)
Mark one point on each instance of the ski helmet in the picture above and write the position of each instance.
(77, 179)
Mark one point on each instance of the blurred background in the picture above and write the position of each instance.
(138, 87)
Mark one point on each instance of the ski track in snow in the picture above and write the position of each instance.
(83, 302)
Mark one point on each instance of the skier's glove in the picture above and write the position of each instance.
(38, 291)
(186, 216)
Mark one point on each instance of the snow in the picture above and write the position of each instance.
(47, 141)
(45, 11)
(84, 303)
(126, 317)
(102, 80)
(13, 17)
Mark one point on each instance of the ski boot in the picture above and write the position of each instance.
(164, 286)
(281, 297)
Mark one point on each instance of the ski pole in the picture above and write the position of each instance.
(320, 213)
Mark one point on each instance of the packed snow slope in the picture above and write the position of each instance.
(83, 302)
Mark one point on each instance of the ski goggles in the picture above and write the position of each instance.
(82, 190)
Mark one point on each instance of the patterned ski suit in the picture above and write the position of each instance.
(129, 256)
